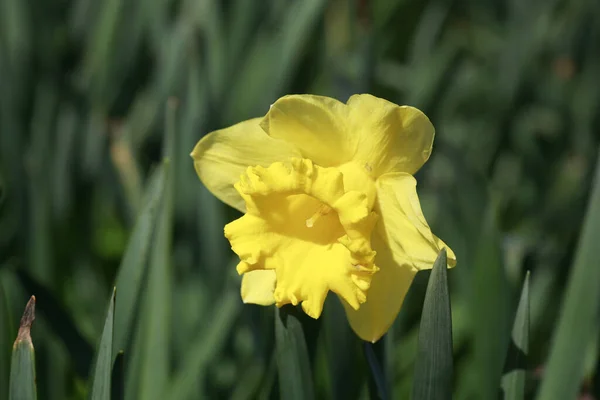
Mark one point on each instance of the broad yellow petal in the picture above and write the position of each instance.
(385, 297)
(221, 157)
(402, 224)
(315, 125)
(258, 287)
(390, 138)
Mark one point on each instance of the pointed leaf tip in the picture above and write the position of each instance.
(27, 319)
(434, 366)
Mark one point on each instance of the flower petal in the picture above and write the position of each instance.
(316, 125)
(390, 138)
(258, 287)
(402, 224)
(385, 297)
(221, 157)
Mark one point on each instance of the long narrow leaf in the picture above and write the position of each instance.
(205, 348)
(579, 314)
(513, 381)
(434, 366)
(101, 384)
(61, 323)
(149, 376)
(132, 268)
(22, 372)
(295, 378)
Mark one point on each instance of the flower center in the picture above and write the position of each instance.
(302, 222)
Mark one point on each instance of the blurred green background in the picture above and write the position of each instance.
(93, 95)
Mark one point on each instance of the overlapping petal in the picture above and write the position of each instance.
(315, 125)
(221, 157)
(258, 287)
(388, 137)
(403, 226)
(388, 288)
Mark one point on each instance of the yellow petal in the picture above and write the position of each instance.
(304, 225)
(402, 224)
(315, 125)
(390, 138)
(221, 157)
(258, 287)
(386, 295)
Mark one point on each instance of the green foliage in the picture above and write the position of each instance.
(101, 378)
(22, 368)
(515, 368)
(102, 102)
(293, 365)
(434, 365)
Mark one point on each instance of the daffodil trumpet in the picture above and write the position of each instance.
(329, 202)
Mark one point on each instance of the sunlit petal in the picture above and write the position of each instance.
(390, 138)
(403, 225)
(221, 157)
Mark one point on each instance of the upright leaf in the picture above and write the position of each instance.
(22, 370)
(149, 375)
(61, 323)
(101, 384)
(515, 369)
(579, 315)
(434, 365)
(131, 271)
(205, 349)
(295, 378)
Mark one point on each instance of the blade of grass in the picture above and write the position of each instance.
(513, 381)
(205, 348)
(132, 268)
(117, 390)
(378, 385)
(153, 330)
(579, 314)
(101, 384)
(295, 377)
(434, 366)
(22, 372)
(61, 323)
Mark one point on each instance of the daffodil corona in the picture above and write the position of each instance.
(329, 203)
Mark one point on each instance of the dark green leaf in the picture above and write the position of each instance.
(295, 377)
(578, 321)
(118, 378)
(434, 366)
(22, 372)
(150, 375)
(132, 268)
(205, 348)
(101, 384)
(515, 368)
(61, 323)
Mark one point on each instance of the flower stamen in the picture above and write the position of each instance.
(323, 210)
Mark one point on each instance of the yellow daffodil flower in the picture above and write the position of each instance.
(329, 202)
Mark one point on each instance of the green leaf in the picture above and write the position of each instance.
(434, 365)
(343, 350)
(101, 384)
(489, 305)
(22, 371)
(61, 323)
(295, 377)
(133, 265)
(118, 378)
(149, 376)
(579, 315)
(513, 381)
(205, 348)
